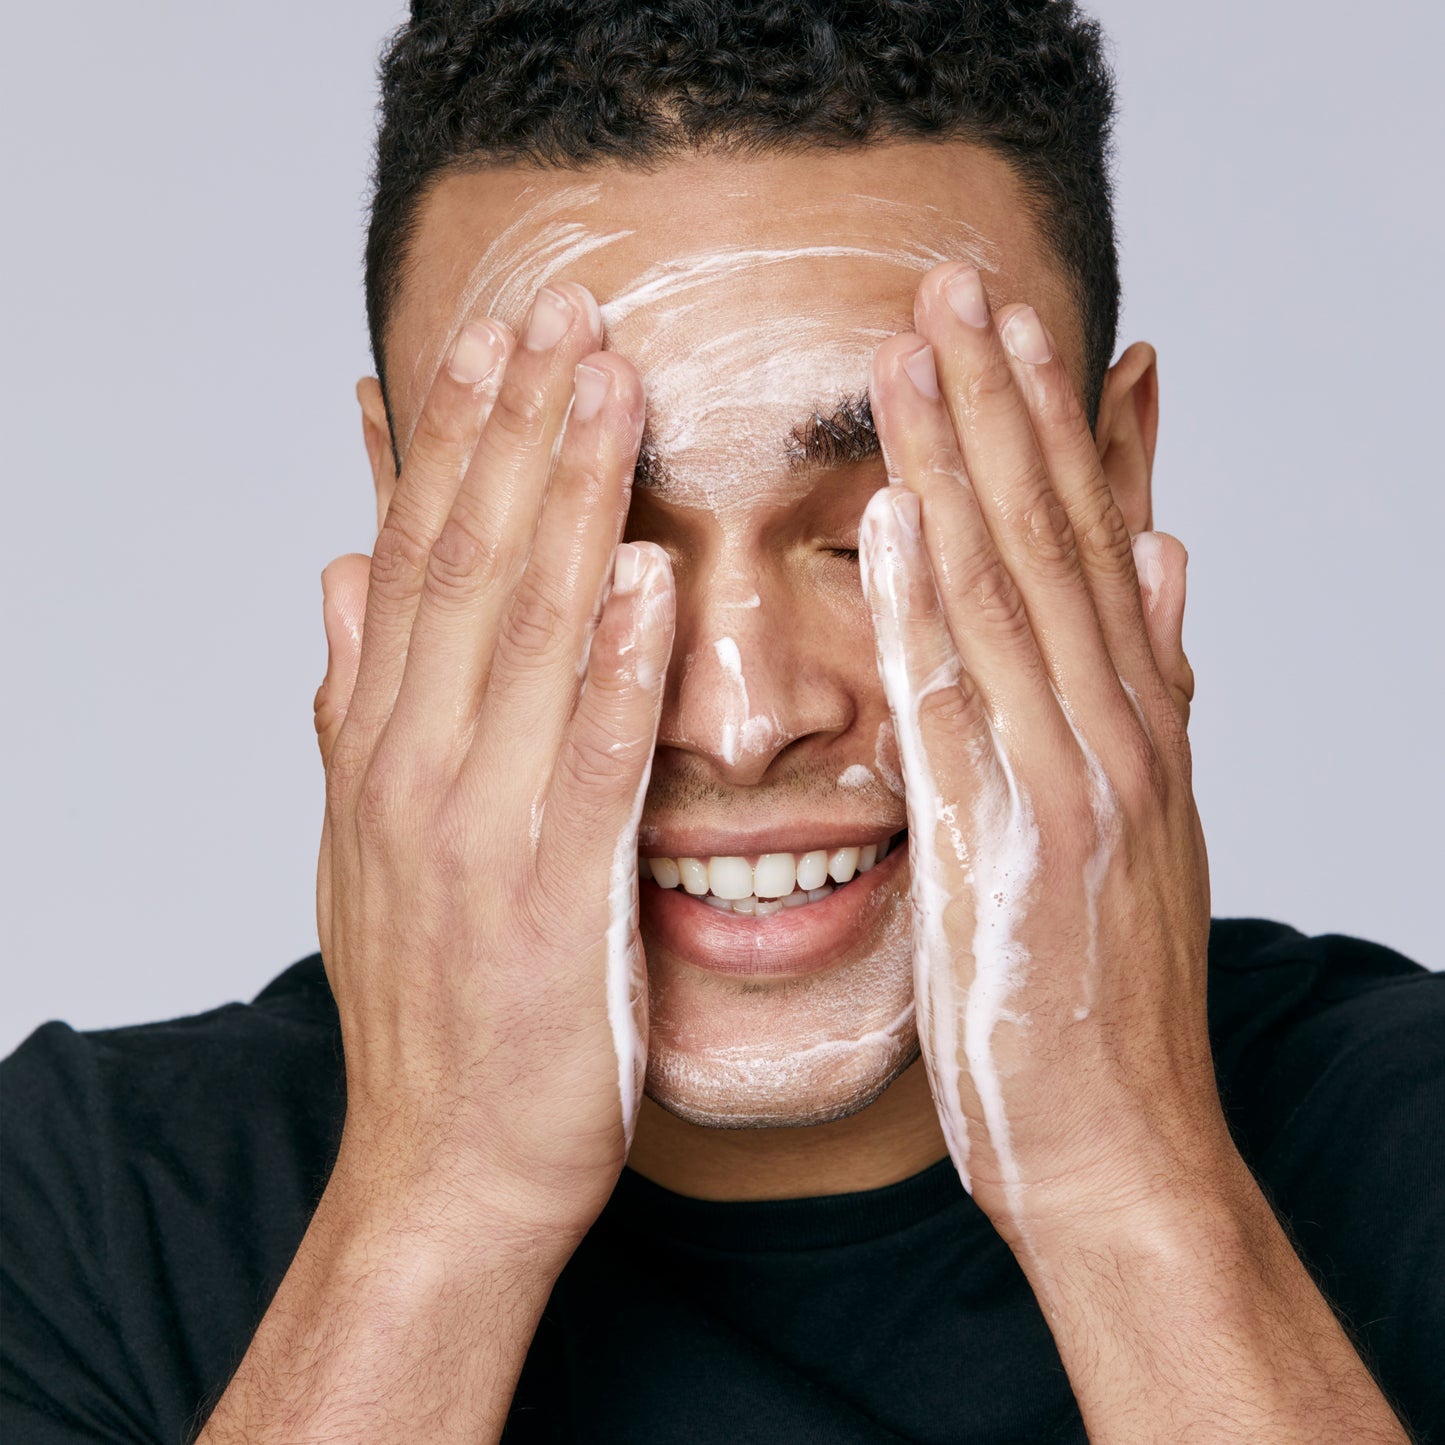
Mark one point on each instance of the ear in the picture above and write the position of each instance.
(376, 430)
(1127, 430)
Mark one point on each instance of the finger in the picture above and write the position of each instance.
(1162, 562)
(542, 650)
(945, 737)
(1024, 515)
(983, 606)
(485, 543)
(1071, 456)
(593, 803)
(446, 435)
(343, 607)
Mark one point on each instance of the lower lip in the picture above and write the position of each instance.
(785, 944)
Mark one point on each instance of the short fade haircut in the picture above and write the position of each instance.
(567, 83)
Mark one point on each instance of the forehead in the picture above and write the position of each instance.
(749, 291)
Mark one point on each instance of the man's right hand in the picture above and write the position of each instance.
(487, 737)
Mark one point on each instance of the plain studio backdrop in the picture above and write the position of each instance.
(186, 187)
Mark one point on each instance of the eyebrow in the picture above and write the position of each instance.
(834, 435)
(832, 438)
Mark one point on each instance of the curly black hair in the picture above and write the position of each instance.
(567, 82)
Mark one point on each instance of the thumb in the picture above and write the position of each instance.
(1161, 562)
(343, 610)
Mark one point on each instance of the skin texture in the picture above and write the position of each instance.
(738, 521)
(1049, 926)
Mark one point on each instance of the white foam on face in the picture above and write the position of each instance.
(536, 246)
(725, 386)
(989, 868)
(742, 734)
(749, 1087)
(719, 401)
(720, 410)
(734, 1055)
(856, 776)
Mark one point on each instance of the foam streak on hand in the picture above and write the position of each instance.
(1059, 882)
(1032, 662)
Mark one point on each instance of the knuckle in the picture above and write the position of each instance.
(954, 708)
(996, 596)
(992, 383)
(519, 412)
(597, 763)
(1143, 778)
(1057, 407)
(386, 791)
(376, 796)
(536, 624)
(1105, 533)
(1048, 532)
(398, 561)
(452, 846)
(942, 464)
(458, 556)
(443, 431)
(345, 766)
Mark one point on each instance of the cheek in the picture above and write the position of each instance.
(826, 610)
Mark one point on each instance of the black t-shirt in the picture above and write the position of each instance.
(159, 1179)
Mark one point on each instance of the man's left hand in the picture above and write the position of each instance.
(1040, 698)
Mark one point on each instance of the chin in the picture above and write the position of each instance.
(728, 1052)
(790, 1091)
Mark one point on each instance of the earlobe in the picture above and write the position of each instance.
(376, 431)
(1127, 431)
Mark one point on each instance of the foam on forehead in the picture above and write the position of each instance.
(721, 396)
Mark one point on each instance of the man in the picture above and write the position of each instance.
(756, 757)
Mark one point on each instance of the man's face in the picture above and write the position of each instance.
(751, 294)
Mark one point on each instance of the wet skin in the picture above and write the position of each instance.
(741, 516)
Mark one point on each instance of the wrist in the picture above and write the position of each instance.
(1148, 1226)
(480, 1219)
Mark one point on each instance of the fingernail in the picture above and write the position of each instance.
(1025, 336)
(475, 354)
(965, 298)
(589, 391)
(923, 372)
(594, 311)
(627, 568)
(551, 316)
(1148, 564)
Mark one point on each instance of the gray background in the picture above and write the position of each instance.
(185, 187)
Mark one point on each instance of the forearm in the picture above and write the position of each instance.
(1196, 1320)
(387, 1328)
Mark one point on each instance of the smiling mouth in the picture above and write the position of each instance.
(764, 885)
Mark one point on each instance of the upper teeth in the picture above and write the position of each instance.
(773, 876)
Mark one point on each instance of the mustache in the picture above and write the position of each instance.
(685, 785)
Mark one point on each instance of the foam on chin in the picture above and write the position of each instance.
(731, 1055)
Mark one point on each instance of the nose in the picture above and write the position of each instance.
(749, 681)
